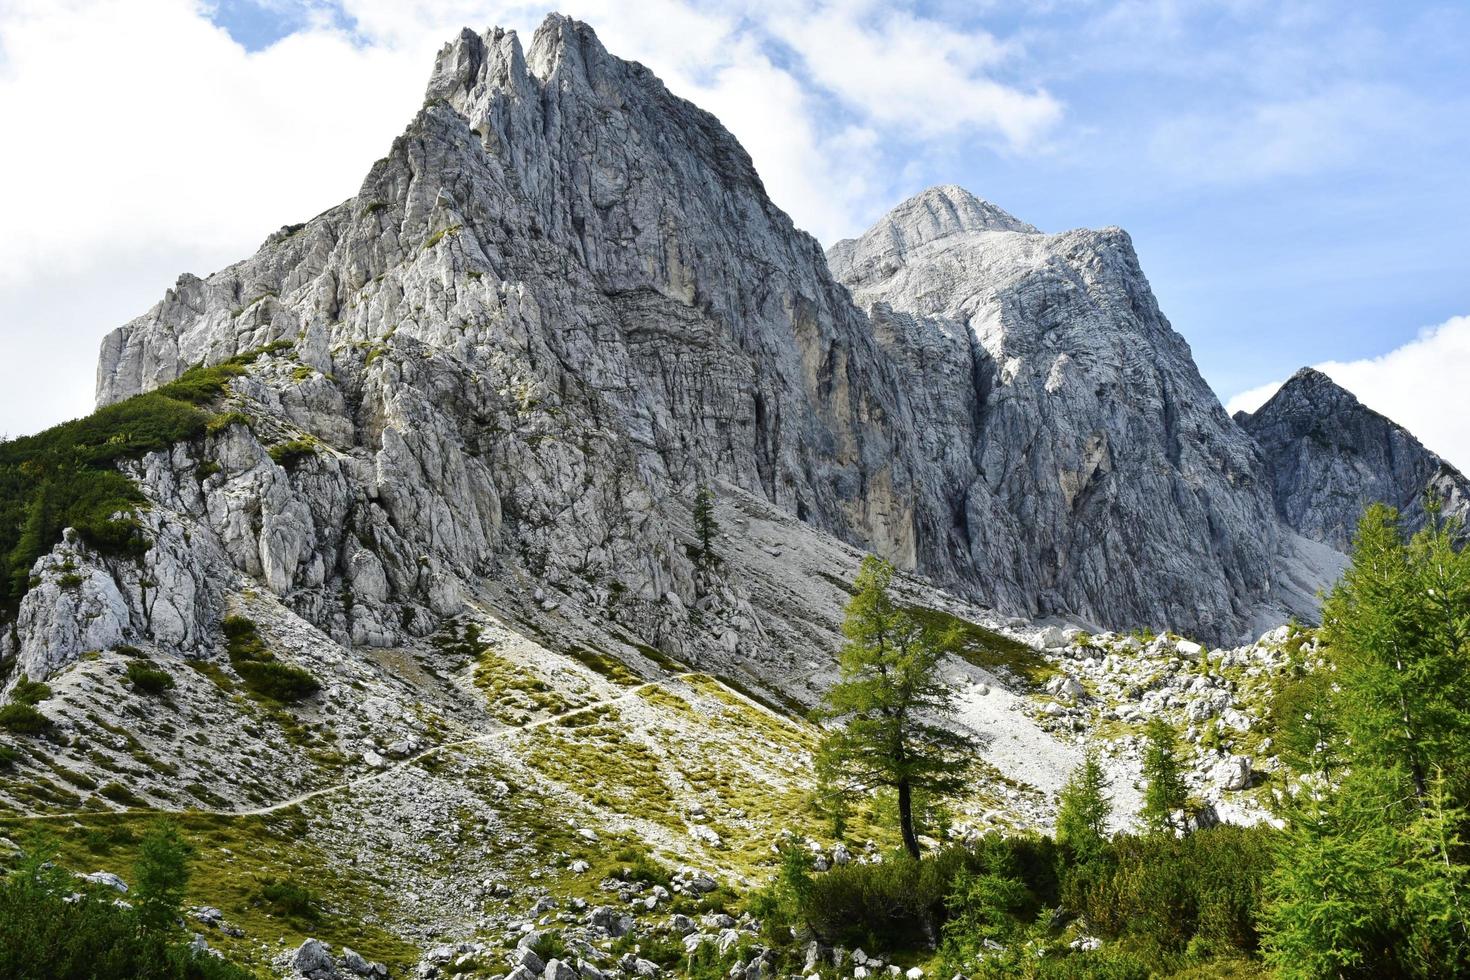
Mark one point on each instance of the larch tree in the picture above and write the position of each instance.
(1083, 809)
(891, 703)
(1373, 872)
(1165, 791)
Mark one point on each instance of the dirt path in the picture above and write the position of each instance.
(371, 777)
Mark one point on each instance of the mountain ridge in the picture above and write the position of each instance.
(417, 608)
(1331, 456)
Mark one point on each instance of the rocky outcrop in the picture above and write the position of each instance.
(1330, 456)
(558, 305)
(563, 301)
(1087, 466)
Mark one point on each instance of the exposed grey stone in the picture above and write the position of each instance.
(1330, 456)
(313, 958)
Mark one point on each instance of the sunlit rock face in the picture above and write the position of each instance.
(563, 301)
(1088, 467)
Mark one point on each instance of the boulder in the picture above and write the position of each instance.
(106, 879)
(313, 958)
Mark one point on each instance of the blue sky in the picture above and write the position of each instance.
(1293, 174)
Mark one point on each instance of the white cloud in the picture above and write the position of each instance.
(143, 141)
(144, 124)
(1420, 385)
(914, 73)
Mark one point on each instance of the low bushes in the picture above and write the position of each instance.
(289, 899)
(639, 866)
(45, 934)
(20, 715)
(1160, 900)
(148, 680)
(264, 675)
(904, 904)
(22, 719)
(66, 476)
(1200, 894)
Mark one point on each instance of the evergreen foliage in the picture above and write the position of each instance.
(1165, 792)
(1083, 810)
(706, 528)
(1373, 878)
(20, 715)
(147, 679)
(67, 475)
(890, 689)
(264, 675)
(46, 935)
(160, 876)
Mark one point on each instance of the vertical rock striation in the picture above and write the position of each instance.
(1089, 468)
(563, 300)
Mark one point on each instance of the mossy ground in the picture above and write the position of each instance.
(233, 857)
(989, 650)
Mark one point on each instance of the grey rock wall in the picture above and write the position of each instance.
(1331, 456)
(563, 300)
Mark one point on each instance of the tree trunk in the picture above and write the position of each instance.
(906, 818)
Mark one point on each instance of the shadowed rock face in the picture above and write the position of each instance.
(563, 300)
(1088, 465)
(1331, 456)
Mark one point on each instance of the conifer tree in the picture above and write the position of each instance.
(1437, 896)
(161, 875)
(705, 526)
(1165, 792)
(1372, 878)
(890, 700)
(1083, 809)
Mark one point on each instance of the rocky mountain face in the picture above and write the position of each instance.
(1088, 467)
(443, 509)
(559, 304)
(1330, 456)
(563, 301)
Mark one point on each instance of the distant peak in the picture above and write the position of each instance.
(944, 211)
(1316, 385)
(1310, 375)
(949, 209)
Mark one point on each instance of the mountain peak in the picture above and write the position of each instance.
(1330, 456)
(943, 211)
(948, 209)
(1309, 387)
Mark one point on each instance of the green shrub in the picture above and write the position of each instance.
(1200, 893)
(148, 680)
(903, 904)
(9, 756)
(638, 865)
(45, 935)
(287, 898)
(276, 681)
(127, 650)
(224, 420)
(66, 476)
(22, 719)
(293, 450)
(120, 794)
(550, 946)
(264, 675)
(28, 691)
